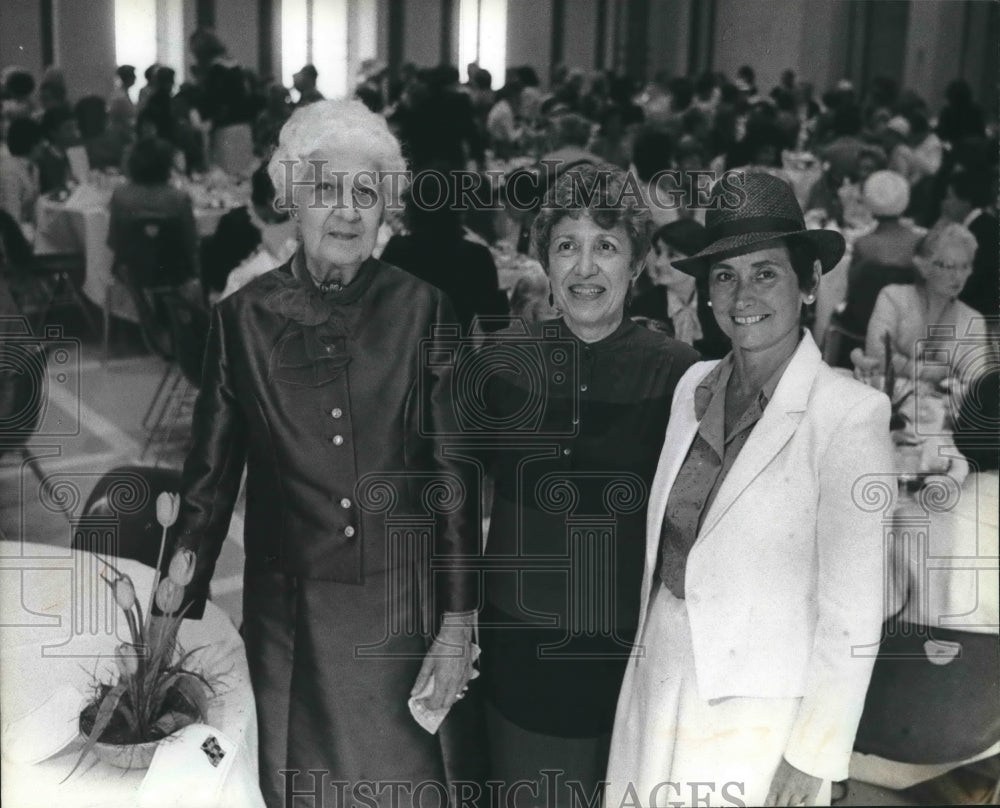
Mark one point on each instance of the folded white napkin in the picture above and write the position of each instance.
(189, 769)
(46, 730)
(429, 719)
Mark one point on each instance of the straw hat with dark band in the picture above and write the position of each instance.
(765, 209)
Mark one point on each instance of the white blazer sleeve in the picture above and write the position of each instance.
(850, 585)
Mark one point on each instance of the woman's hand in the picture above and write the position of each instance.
(789, 786)
(449, 661)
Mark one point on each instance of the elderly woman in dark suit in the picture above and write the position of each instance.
(313, 378)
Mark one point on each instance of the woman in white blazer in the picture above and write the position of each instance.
(762, 593)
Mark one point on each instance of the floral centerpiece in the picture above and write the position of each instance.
(154, 693)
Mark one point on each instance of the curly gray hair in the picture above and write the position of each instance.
(328, 127)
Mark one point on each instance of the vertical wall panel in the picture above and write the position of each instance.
(529, 36)
(21, 34)
(85, 45)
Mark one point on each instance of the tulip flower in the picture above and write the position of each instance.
(182, 567)
(167, 508)
(124, 593)
(169, 596)
(126, 659)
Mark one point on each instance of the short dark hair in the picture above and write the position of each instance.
(969, 188)
(125, 72)
(611, 203)
(91, 116)
(151, 161)
(978, 422)
(652, 152)
(54, 117)
(22, 136)
(19, 84)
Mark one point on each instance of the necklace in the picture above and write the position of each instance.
(331, 286)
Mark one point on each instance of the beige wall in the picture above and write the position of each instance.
(422, 32)
(529, 36)
(21, 34)
(766, 34)
(236, 23)
(668, 36)
(85, 45)
(933, 47)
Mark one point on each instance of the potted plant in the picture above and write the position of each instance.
(154, 693)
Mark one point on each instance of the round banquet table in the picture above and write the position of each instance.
(81, 224)
(58, 626)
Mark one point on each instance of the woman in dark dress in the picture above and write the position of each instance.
(315, 379)
(577, 446)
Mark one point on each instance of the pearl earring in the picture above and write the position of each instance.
(810, 298)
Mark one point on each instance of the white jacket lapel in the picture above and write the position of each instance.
(774, 429)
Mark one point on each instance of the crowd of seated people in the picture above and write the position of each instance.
(891, 164)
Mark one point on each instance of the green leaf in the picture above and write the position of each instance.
(193, 688)
(104, 714)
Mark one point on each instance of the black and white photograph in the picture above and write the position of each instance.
(499, 403)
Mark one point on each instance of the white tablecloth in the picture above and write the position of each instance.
(56, 628)
(62, 227)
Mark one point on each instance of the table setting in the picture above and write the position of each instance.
(77, 219)
(104, 704)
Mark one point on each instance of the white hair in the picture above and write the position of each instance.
(949, 234)
(332, 126)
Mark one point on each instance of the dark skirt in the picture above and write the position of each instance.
(332, 668)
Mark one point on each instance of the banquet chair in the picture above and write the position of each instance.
(40, 283)
(935, 712)
(128, 495)
(839, 341)
(149, 260)
(189, 325)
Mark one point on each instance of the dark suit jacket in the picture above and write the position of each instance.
(462, 269)
(982, 290)
(334, 404)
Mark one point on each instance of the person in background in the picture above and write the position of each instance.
(882, 257)
(121, 110)
(967, 201)
(277, 109)
(666, 294)
(105, 146)
(502, 123)
(58, 133)
(18, 174)
(52, 92)
(652, 155)
(159, 105)
(480, 90)
(436, 251)
(16, 88)
(914, 314)
(304, 83)
(762, 573)
(149, 195)
(148, 88)
(249, 241)
(551, 685)
(961, 117)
